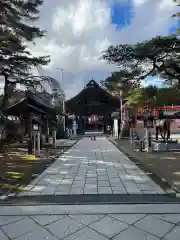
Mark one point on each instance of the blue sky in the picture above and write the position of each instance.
(78, 31)
(172, 29)
(153, 81)
(122, 15)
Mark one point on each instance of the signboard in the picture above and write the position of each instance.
(93, 119)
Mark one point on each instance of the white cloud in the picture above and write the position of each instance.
(78, 30)
(139, 2)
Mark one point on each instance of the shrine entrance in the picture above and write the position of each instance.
(93, 107)
(95, 123)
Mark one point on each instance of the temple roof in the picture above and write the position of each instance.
(32, 102)
(92, 83)
(92, 99)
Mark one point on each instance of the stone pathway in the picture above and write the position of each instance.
(65, 142)
(92, 167)
(100, 222)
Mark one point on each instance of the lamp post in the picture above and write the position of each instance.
(120, 87)
(121, 104)
(63, 108)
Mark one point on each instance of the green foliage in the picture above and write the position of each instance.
(120, 80)
(16, 30)
(158, 56)
(16, 14)
(142, 96)
(167, 96)
(136, 97)
(152, 96)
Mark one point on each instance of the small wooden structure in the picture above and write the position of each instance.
(35, 108)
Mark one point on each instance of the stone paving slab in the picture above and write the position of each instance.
(151, 208)
(65, 142)
(92, 167)
(91, 225)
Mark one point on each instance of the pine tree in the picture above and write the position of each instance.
(17, 28)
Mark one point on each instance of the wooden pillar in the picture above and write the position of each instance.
(30, 139)
(47, 129)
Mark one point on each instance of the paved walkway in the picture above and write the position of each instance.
(65, 142)
(165, 165)
(92, 167)
(99, 222)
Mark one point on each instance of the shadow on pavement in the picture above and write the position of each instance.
(90, 199)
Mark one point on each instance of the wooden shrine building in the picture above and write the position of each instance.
(93, 107)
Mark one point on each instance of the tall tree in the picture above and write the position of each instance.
(17, 28)
(136, 97)
(167, 96)
(120, 80)
(152, 96)
(159, 56)
(142, 96)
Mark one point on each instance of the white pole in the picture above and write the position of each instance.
(116, 128)
(63, 106)
(62, 79)
(121, 111)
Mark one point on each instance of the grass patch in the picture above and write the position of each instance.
(18, 169)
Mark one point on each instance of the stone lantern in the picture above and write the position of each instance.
(74, 127)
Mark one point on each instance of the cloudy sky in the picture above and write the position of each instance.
(78, 30)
